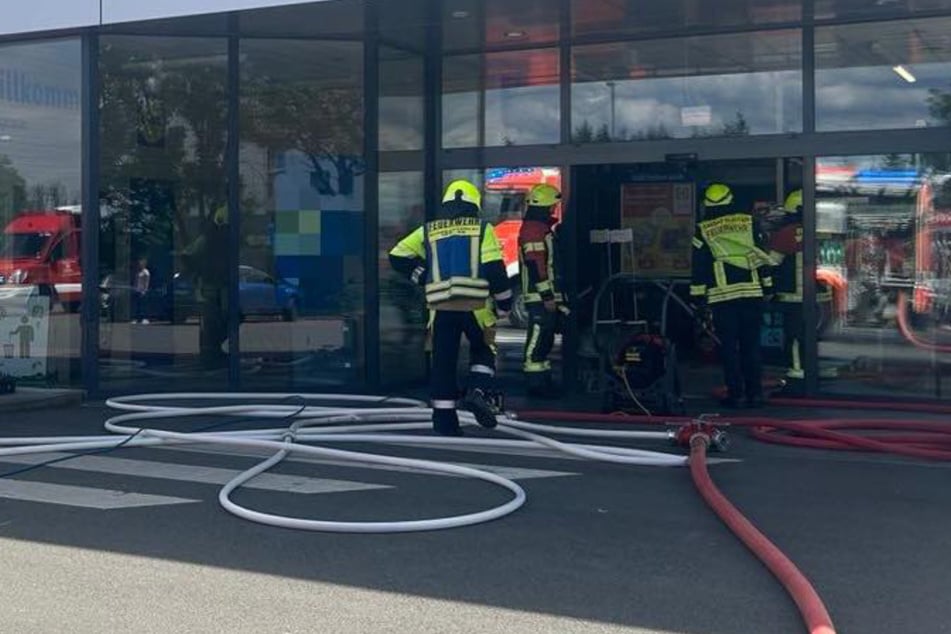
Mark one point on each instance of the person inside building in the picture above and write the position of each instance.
(730, 273)
(785, 245)
(207, 260)
(458, 261)
(540, 288)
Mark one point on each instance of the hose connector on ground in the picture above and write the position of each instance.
(701, 430)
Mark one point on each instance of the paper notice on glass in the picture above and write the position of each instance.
(661, 218)
(696, 116)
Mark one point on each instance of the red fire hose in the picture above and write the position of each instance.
(917, 439)
(813, 611)
(905, 328)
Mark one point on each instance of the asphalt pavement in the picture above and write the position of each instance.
(134, 541)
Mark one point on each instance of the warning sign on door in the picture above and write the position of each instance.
(24, 334)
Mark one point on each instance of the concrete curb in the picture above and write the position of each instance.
(31, 399)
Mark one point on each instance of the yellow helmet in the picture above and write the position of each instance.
(717, 195)
(544, 196)
(793, 202)
(465, 191)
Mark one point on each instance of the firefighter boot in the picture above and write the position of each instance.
(446, 422)
(485, 404)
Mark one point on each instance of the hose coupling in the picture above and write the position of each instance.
(713, 436)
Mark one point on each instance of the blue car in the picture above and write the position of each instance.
(260, 295)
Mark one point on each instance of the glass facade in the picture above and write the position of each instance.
(301, 285)
(40, 192)
(252, 171)
(164, 249)
(721, 85)
(883, 255)
(874, 76)
(501, 99)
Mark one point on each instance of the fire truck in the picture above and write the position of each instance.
(884, 243)
(41, 250)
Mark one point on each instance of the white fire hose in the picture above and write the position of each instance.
(368, 419)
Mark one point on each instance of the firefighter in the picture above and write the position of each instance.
(730, 273)
(540, 288)
(786, 251)
(458, 261)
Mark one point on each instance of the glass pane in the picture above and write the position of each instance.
(401, 100)
(517, 92)
(40, 191)
(164, 248)
(474, 24)
(462, 94)
(302, 207)
(883, 245)
(884, 75)
(403, 314)
(404, 23)
(602, 17)
(830, 9)
(724, 85)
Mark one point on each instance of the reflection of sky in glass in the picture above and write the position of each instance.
(460, 112)
(874, 97)
(522, 116)
(42, 139)
(522, 99)
(401, 123)
(769, 102)
(401, 197)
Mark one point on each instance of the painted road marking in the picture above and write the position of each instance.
(514, 473)
(193, 473)
(83, 497)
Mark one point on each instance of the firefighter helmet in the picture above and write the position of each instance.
(544, 196)
(717, 195)
(462, 190)
(793, 202)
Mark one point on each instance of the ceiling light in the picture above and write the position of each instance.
(905, 74)
(460, 15)
(514, 34)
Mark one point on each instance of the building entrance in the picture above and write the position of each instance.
(633, 247)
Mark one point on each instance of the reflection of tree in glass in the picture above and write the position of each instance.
(48, 196)
(324, 123)
(151, 189)
(12, 188)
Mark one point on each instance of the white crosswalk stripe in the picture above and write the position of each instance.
(106, 498)
(193, 473)
(514, 473)
(82, 497)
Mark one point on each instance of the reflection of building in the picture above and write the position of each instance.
(331, 139)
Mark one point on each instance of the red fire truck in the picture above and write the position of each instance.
(41, 249)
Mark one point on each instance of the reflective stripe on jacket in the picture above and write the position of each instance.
(536, 258)
(729, 259)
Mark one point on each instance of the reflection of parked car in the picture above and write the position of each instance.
(259, 295)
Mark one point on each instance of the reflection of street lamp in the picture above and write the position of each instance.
(612, 85)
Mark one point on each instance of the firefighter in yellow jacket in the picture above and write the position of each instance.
(730, 273)
(458, 261)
